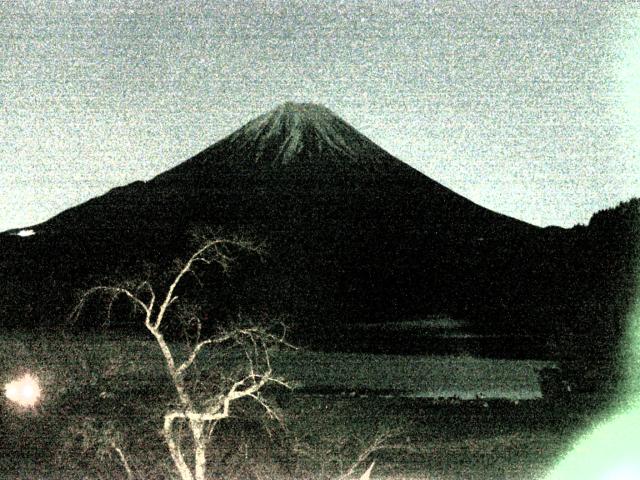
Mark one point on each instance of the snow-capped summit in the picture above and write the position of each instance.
(298, 134)
(297, 131)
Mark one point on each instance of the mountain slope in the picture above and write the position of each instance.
(352, 233)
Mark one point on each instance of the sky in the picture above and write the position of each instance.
(529, 108)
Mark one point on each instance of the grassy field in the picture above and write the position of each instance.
(100, 391)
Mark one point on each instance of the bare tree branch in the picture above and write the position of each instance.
(380, 442)
(196, 350)
(123, 460)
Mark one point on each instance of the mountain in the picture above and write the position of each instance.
(353, 235)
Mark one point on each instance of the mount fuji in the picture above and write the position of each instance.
(352, 234)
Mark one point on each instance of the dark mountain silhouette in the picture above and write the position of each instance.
(353, 235)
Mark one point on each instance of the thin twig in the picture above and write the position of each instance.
(123, 460)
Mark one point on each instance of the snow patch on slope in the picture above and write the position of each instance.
(28, 232)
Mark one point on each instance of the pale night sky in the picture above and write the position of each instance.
(530, 108)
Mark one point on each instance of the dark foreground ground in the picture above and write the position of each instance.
(100, 394)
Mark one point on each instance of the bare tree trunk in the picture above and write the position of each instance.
(200, 448)
(174, 448)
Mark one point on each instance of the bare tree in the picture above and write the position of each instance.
(197, 411)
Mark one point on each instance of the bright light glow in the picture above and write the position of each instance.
(25, 391)
(611, 450)
(26, 233)
(623, 472)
